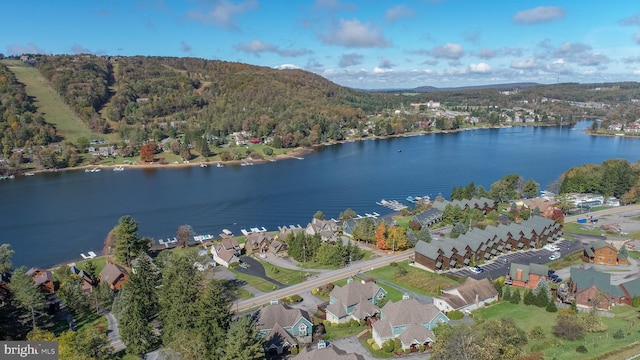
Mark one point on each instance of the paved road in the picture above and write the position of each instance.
(323, 278)
(113, 334)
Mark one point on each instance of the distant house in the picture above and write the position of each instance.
(601, 252)
(114, 275)
(409, 321)
(325, 351)
(43, 279)
(467, 296)
(257, 242)
(428, 217)
(283, 328)
(356, 300)
(526, 276)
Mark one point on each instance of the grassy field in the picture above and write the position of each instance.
(337, 332)
(50, 104)
(576, 228)
(567, 261)
(417, 280)
(285, 276)
(527, 317)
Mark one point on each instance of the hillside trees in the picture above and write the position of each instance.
(615, 177)
(128, 245)
(29, 299)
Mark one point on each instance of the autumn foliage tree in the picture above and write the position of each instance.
(381, 236)
(184, 234)
(147, 152)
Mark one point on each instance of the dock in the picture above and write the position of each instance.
(392, 204)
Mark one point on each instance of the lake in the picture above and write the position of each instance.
(51, 218)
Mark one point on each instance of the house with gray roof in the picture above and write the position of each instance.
(468, 296)
(282, 328)
(408, 320)
(325, 351)
(478, 245)
(428, 217)
(327, 229)
(356, 300)
(592, 288)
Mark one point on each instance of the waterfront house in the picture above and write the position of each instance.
(467, 296)
(87, 282)
(114, 275)
(526, 276)
(43, 279)
(428, 217)
(409, 321)
(327, 229)
(356, 300)
(257, 242)
(325, 351)
(225, 255)
(604, 253)
(283, 328)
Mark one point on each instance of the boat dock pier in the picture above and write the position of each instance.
(392, 204)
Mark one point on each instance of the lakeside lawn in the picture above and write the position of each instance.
(528, 317)
(417, 280)
(285, 276)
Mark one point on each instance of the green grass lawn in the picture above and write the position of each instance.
(417, 280)
(258, 283)
(285, 276)
(337, 332)
(51, 105)
(634, 255)
(566, 261)
(527, 317)
(576, 228)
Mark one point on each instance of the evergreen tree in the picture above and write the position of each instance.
(515, 297)
(28, 298)
(178, 296)
(214, 317)
(128, 245)
(551, 306)
(636, 301)
(243, 341)
(529, 298)
(506, 293)
(138, 307)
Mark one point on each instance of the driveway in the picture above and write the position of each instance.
(353, 345)
(255, 268)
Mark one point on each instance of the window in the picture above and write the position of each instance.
(302, 329)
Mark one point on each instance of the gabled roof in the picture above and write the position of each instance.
(633, 287)
(409, 311)
(279, 337)
(585, 278)
(355, 292)
(465, 294)
(532, 268)
(280, 314)
(416, 334)
(112, 272)
(330, 352)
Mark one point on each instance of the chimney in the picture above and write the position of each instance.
(519, 274)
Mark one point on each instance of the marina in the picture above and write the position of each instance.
(394, 205)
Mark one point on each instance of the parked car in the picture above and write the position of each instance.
(554, 256)
(479, 269)
(551, 272)
(551, 247)
(557, 280)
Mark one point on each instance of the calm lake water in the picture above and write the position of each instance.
(51, 218)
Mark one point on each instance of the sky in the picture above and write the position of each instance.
(365, 44)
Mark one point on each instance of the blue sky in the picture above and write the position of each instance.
(368, 44)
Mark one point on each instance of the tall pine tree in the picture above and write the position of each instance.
(139, 304)
(243, 341)
(214, 318)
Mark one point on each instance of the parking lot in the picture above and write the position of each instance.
(499, 266)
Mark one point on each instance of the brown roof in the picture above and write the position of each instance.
(111, 273)
(465, 294)
(409, 311)
(416, 334)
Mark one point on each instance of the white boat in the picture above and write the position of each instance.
(29, 174)
(227, 232)
(203, 165)
(219, 165)
(118, 168)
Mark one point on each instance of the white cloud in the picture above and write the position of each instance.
(385, 63)
(631, 20)
(480, 68)
(257, 47)
(380, 70)
(541, 14)
(287, 67)
(79, 49)
(223, 13)
(448, 51)
(353, 33)
(399, 12)
(524, 64)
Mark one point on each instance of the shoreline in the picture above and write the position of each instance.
(292, 154)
